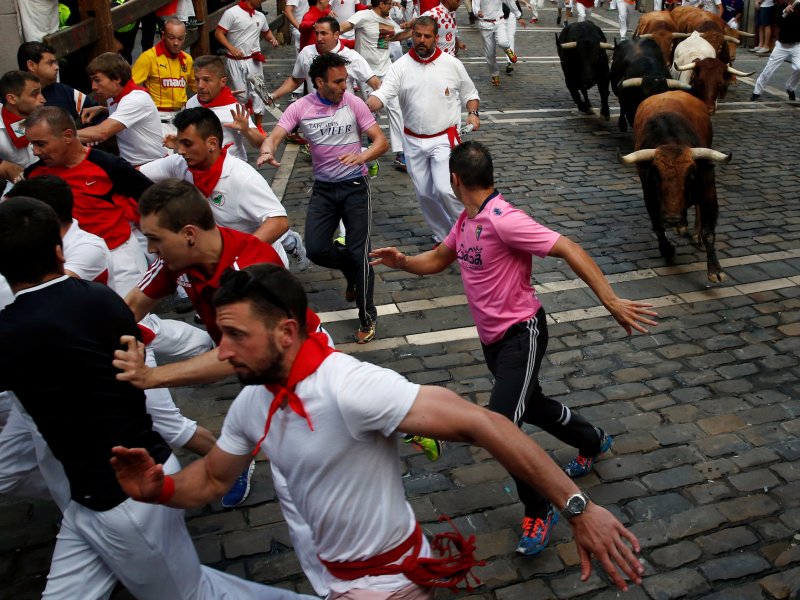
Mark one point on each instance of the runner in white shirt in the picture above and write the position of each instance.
(374, 30)
(294, 12)
(240, 31)
(430, 86)
(327, 32)
(445, 17)
(493, 30)
(133, 116)
(20, 93)
(343, 10)
(239, 196)
(333, 472)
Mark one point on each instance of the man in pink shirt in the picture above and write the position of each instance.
(493, 242)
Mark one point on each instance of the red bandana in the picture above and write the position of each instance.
(311, 355)
(127, 89)
(9, 120)
(224, 98)
(245, 6)
(205, 181)
(162, 49)
(436, 54)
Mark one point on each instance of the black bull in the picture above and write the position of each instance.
(582, 50)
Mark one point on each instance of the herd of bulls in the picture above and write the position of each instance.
(667, 80)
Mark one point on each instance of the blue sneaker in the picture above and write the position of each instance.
(582, 465)
(238, 493)
(536, 533)
(400, 161)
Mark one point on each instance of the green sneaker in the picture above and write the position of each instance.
(340, 241)
(431, 447)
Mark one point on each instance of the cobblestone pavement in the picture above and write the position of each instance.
(705, 468)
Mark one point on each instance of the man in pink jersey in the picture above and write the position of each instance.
(493, 242)
(332, 120)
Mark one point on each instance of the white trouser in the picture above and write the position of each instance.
(583, 12)
(296, 41)
(146, 547)
(392, 108)
(780, 53)
(427, 161)
(622, 13)
(659, 5)
(511, 32)
(238, 72)
(494, 35)
(128, 265)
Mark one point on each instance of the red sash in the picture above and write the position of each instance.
(452, 135)
(256, 56)
(9, 120)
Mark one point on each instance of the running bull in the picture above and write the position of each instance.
(581, 48)
(672, 141)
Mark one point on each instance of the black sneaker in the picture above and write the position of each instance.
(791, 95)
(755, 97)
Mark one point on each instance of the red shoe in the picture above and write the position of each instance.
(534, 21)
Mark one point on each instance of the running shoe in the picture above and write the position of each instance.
(238, 493)
(509, 68)
(340, 241)
(496, 80)
(430, 447)
(582, 465)
(400, 161)
(536, 533)
(755, 97)
(512, 56)
(366, 333)
(791, 95)
(297, 250)
(534, 21)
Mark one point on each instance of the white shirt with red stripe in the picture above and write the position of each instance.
(8, 151)
(430, 94)
(243, 30)
(86, 254)
(448, 29)
(141, 140)
(343, 477)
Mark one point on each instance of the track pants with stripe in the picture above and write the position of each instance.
(351, 202)
(514, 360)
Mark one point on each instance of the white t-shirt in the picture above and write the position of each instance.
(301, 8)
(241, 200)
(229, 136)
(343, 477)
(430, 94)
(242, 30)
(141, 140)
(366, 25)
(358, 70)
(86, 254)
(6, 295)
(8, 151)
(38, 18)
(492, 9)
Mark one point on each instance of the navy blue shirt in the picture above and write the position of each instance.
(61, 95)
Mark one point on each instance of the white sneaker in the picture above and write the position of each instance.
(762, 51)
(296, 249)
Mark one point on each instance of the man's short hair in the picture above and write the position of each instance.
(52, 190)
(112, 66)
(212, 63)
(172, 21)
(33, 51)
(377, 3)
(272, 290)
(14, 82)
(332, 23)
(176, 203)
(29, 234)
(426, 21)
(320, 65)
(205, 122)
(57, 118)
(472, 163)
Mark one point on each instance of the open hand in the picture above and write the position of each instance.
(391, 257)
(137, 473)
(630, 313)
(131, 362)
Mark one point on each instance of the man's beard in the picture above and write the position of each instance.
(423, 51)
(271, 373)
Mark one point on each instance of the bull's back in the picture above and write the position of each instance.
(655, 21)
(672, 118)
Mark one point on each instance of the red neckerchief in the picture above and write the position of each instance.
(127, 89)
(9, 120)
(224, 98)
(310, 356)
(205, 181)
(245, 6)
(436, 54)
(162, 49)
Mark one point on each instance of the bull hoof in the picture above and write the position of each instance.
(717, 277)
(623, 124)
(667, 250)
(606, 116)
(697, 241)
(588, 111)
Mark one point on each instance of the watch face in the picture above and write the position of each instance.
(576, 505)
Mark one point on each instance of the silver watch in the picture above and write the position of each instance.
(575, 505)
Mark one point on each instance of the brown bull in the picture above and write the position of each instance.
(659, 27)
(672, 140)
(713, 29)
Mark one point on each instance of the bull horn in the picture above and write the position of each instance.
(747, 34)
(733, 71)
(680, 36)
(709, 154)
(569, 45)
(646, 36)
(686, 67)
(674, 84)
(731, 39)
(635, 157)
(632, 82)
(606, 46)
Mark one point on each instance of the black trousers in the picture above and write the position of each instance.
(514, 360)
(351, 202)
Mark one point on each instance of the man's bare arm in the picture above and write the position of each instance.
(267, 150)
(100, 133)
(289, 85)
(140, 303)
(427, 263)
(270, 230)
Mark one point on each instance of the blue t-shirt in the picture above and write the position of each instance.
(63, 96)
(731, 8)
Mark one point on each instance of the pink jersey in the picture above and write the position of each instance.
(494, 251)
(332, 130)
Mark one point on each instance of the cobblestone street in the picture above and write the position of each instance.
(705, 409)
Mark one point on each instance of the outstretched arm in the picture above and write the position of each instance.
(267, 152)
(427, 263)
(440, 413)
(628, 313)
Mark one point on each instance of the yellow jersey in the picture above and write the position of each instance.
(166, 79)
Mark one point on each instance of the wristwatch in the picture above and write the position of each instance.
(474, 112)
(575, 505)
